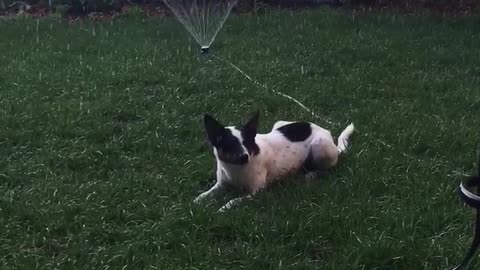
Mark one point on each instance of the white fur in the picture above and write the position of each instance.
(278, 156)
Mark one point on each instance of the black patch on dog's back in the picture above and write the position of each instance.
(296, 132)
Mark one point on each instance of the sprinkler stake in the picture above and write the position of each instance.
(205, 49)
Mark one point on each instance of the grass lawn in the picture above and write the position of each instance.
(102, 145)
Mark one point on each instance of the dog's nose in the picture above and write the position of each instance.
(243, 158)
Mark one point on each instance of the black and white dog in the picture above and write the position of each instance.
(251, 161)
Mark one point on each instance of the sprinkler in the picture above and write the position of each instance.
(202, 19)
(205, 49)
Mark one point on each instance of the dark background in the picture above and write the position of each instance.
(156, 7)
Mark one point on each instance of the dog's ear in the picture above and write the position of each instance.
(251, 127)
(214, 129)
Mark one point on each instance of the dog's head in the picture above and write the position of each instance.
(234, 145)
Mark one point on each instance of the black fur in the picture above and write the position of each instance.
(229, 143)
(296, 132)
(249, 132)
(309, 165)
(250, 144)
(229, 148)
(214, 129)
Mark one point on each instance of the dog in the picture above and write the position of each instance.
(250, 161)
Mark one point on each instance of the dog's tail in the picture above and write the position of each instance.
(342, 144)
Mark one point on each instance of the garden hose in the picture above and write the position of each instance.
(469, 192)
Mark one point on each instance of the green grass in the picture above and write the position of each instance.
(102, 148)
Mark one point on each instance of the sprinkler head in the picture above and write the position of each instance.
(205, 49)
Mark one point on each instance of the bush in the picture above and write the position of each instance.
(86, 6)
(416, 3)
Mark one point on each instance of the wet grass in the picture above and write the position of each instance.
(102, 148)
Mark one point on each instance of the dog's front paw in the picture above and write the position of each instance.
(315, 175)
(310, 176)
(224, 208)
(199, 199)
(229, 205)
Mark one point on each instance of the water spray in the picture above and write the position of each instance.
(203, 19)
